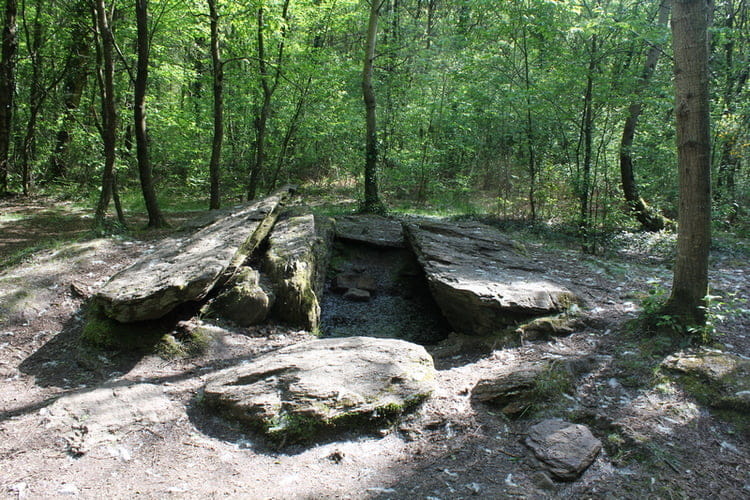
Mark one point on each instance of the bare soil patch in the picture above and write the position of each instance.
(659, 441)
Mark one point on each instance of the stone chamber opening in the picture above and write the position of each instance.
(379, 292)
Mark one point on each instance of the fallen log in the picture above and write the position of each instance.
(188, 271)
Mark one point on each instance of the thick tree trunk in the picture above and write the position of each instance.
(218, 84)
(155, 217)
(8, 49)
(649, 219)
(109, 112)
(372, 202)
(687, 302)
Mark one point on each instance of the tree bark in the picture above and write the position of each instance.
(372, 202)
(109, 112)
(36, 95)
(218, 87)
(687, 302)
(75, 81)
(587, 131)
(649, 219)
(145, 171)
(268, 88)
(8, 49)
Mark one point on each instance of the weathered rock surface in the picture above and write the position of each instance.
(565, 449)
(480, 279)
(296, 262)
(549, 326)
(371, 229)
(187, 271)
(350, 279)
(716, 378)
(292, 393)
(246, 300)
(357, 295)
(512, 388)
(94, 417)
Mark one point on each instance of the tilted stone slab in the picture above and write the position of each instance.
(371, 229)
(296, 262)
(187, 271)
(481, 279)
(295, 392)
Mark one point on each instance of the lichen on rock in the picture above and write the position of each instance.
(292, 394)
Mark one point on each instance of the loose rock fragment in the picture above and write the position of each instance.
(564, 448)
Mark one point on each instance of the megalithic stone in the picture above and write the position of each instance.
(186, 271)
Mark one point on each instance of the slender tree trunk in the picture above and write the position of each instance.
(8, 49)
(736, 76)
(587, 130)
(372, 203)
(109, 111)
(529, 130)
(687, 301)
(74, 84)
(218, 83)
(36, 95)
(290, 131)
(649, 219)
(268, 87)
(145, 171)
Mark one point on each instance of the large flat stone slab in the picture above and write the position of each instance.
(481, 279)
(293, 393)
(371, 229)
(186, 271)
(296, 262)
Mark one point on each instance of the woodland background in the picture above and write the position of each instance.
(525, 109)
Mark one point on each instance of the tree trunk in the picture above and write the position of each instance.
(109, 113)
(529, 129)
(75, 81)
(155, 217)
(372, 202)
(687, 302)
(587, 131)
(268, 89)
(8, 49)
(290, 131)
(218, 83)
(649, 219)
(36, 96)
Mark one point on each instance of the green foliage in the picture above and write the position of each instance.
(473, 107)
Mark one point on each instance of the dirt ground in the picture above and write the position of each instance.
(144, 434)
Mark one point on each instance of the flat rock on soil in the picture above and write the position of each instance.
(480, 279)
(94, 417)
(173, 275)
(370, 229)
(292, 393)
(718, 378)
(565, 449)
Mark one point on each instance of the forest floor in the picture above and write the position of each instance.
(659, 442)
